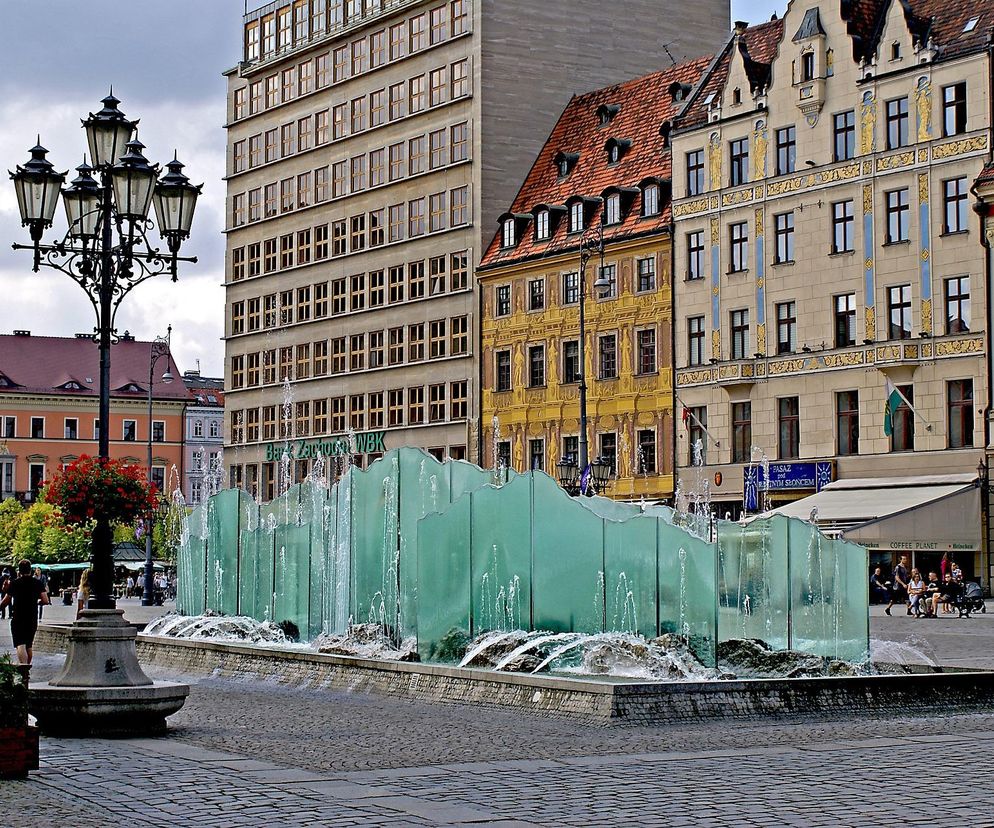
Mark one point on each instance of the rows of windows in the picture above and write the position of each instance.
(346, 119)
(959, 420)
(897, 134)
(435, 212)
(296, 24)
(71, 429)
(369, 350)
(646, 453)
(534, 372)
(536, 294)
(956, 290)
(397, 407)
(842, 238)
(358, 292)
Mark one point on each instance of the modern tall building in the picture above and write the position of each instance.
(826, 254)
(372, 144)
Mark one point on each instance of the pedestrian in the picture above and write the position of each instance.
(943, 566)
(83, 593)
(899, 588)
(131, 587)
(878, 589)
(23, 596)
(916, 592)
(957, 573)
(5, 579)
(41, 576)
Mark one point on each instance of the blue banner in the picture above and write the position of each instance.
(783, 477)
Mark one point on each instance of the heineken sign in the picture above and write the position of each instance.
(367, 443)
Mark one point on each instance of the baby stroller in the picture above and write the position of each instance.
(972, 600)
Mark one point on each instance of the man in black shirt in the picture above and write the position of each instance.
(23, 596)
(948, 593)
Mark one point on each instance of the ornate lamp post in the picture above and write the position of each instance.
(574, 477)
(106, 250)
(159, 350)
(108, 253)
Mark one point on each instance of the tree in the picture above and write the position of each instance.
(43, 537)
(10, 517)
(27, 541)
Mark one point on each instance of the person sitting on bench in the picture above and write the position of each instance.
(948, 594)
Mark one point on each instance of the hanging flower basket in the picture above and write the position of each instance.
(90, 488)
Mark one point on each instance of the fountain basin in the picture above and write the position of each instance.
(105, 711)
(598, 701)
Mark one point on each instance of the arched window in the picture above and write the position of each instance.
(508, 235)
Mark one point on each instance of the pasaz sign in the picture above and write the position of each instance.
(367, 443)
(784, 477)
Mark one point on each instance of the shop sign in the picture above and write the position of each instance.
(367, 443)
(923, 546)
(784, 477)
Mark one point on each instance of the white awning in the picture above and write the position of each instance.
(934, 509)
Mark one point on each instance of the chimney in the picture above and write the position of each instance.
(740, 27)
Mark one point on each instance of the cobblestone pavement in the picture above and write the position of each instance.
(246, 753)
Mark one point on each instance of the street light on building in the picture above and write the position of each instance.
(107, 250)
(591, 243)
(159, 350)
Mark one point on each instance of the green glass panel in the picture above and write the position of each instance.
(466, 477)
(500, 553)
(191, 564)
(813, 588)
(630, 576)
(852, 610)
(292, 575)
(338, 549)
(248, 562)
(443, 572)
(606, 508)
(752, 581)
(568, 562)
(687, 579)
(222, 552)
(374, 544)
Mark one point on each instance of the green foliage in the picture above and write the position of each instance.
(10, 517)
(43, 537)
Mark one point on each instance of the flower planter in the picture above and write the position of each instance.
(18, 751)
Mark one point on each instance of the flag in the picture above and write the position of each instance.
(686, 416)
(585, 480)
(893, 400)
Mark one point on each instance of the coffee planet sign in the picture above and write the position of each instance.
(368, 443)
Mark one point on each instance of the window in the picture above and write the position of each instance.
(437, 338)
(536, 294)
(438, 18)
(536, 366)
(459, 337)
(739, 239)
(741, 432)
(9, 427)
(237, 264)
(338, 355)
(612, 209)
(38, 428)
(786, 150)
(695, 255)
(786, 327)
(377, 288)
(571, 288)
(897, 123)
(376, 349)
(959, 406)
(396, 219)
(571, 361)
(898, 216)
(238, 210)
(416, 217)
(609, 450)
(436, 403)
(358, 56)
(847, 422)
(502, 306)
(609, 274)
(954, 201)
(458, 271)
(576, 217)
(571, 448)
(645, 452)
(418, 32)
(358, 292)
(357, 237)
(416, 94)
(739, 156)
(416, 342)
(459, 79)
(646, 272)
(459, 135)
(697, 437)
(645, 351)
(650, 200)
(130, 431)
(843, 224)
(239, 102)
(899, 311)
(357, 352)
(358, 113)
(902, 435)
(357, 412)
(695, 172)
(807, 66)
(954, 108)
(397, 284)
(788, 432)
(845, 320)
(338, 421)
(437, 86)
(395, 407)
(607, 350)
(784, 230)
(437, 148)
(958, 305)
(536, 454)
(459, 17)
(502, 371)
(695, 340)
(739, 321)
(398, 42)
(288, 139)
(71, 428)
(458, 206)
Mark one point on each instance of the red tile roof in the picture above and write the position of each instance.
(45, 364)
(986, 174)
(643, 105)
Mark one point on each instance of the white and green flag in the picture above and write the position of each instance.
(893, 400)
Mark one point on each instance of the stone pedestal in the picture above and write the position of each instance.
(102, 690)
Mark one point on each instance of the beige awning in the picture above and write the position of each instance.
(934, 511)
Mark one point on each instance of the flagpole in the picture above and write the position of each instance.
(907, 402)
(701, 425)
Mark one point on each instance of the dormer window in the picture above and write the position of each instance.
(72, 385)
(4, 382)
(508, 233)
(131, 388)
(807, 67)
(565, 162)
(576, 217)
(650, 200)
(606, 113)
(542, 225)
(612, 209)
(616, 149)
(679, 91)
(971, 24)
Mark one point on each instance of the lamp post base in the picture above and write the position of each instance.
(102, 690)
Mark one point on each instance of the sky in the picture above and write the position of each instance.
(164, 59)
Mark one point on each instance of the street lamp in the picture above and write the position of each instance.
(159, 349)
(106, 251)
